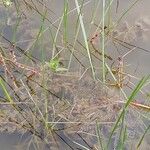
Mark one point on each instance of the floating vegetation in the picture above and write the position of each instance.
(66, 103)
(73, 105)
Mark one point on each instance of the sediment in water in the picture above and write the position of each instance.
(60, 102)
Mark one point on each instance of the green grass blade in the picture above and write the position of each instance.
(133, 94)
(115, 127)
(122, 135)
(103, 41)
(140, 142)
(125, 12)
(65, 20)
(137, 89)
(6, 92)
(99, 137)
(85, 37)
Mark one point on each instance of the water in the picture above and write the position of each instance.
(136, 24)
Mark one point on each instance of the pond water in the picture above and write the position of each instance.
(34, 28)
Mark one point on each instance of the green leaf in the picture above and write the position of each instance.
(54, 64)
(7, 3)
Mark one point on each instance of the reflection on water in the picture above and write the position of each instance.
(26, 29)
(12, 141)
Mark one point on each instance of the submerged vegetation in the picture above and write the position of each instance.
(66, 78)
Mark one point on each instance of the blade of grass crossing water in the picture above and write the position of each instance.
(143, 81)
(109, 16)
(126, 11)
(103, 41)
(77, 22)
(5, 91)
(99, 136)
(65, 20)
(56, 36)
(141, 140)
(77, 30)
(85, 37)
(40, 39)
(42, 26)
(82, 146)
(72, 51)
(133, 94)
(106, 11)
(122, 135)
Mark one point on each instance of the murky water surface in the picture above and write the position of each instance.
(127, 44)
